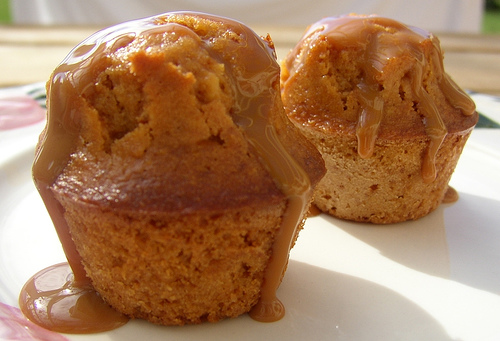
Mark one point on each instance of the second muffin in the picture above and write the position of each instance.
(372, 95)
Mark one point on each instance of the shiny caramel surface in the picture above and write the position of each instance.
(54, 300)
(380, 44)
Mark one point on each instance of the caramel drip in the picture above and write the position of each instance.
(253, 68)
(369, 120)
(254, 75)
(313, 211)
(53, 300)
(450, 196)
(383, 39)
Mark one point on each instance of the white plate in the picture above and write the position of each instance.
(437, 278)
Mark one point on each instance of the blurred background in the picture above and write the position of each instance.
(35, 35)
(466, 16)
(491, 20)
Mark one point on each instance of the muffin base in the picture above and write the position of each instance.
(388, 186)
(175, 269)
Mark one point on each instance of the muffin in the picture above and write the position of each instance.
(174, 167)
(372, 95)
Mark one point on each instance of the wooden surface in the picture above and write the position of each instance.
(29, 54)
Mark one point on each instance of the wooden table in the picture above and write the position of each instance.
(29, 54)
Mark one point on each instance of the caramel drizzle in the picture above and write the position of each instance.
(383, 39)
(254, 73)
(59, 138)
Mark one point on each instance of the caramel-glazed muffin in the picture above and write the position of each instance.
(372, 95)
(159, 148)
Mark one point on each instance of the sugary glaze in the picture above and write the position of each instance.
(252, 68)
(53, 291)
(383, 41)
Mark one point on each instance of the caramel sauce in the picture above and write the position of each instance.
(314, 211)
(54, 300)
(383, 39)
(450, 196)
(254, 70)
